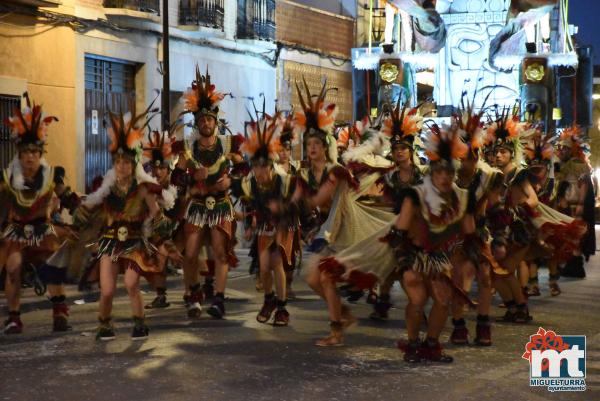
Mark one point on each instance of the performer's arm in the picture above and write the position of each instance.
(150, 199)
(531, 198)
(68, 199)
(325, 193)
(407, 212)
(583, 190)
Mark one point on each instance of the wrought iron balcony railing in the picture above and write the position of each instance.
(256, 19)
(208, 13)
(146, 6)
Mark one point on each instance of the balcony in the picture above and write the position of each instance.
(256, 19)
(209, 13)
(137, 9)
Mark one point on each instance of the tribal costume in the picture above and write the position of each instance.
(209, 215)
(30, 200)
(422, 248)
(132, 222)
(316, 120)
(276, 231)
(402, 126)
(476, 176)
(575, 194)
(160, 154)
(521, 225)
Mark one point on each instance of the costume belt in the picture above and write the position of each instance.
(124, 231)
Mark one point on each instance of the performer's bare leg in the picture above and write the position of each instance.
(12, 288)
(132, 284)
(220, 244)
(553, 278)
(280, 277)
(191, 278)
(219, 247)
(190, 266)
(416, 291)
(441, 293)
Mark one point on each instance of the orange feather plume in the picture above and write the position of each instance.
(29, 125)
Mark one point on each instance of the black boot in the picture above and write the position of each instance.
(460, 333)
(511, 311)
(140, 329)
(484, 331)
(60, 314)
(217, 309)
(160, 301)
(381, 308)
(522, 315)
(574, 268)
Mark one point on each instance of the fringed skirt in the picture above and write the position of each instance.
(285, 239)
(209, 212)
(36, 242)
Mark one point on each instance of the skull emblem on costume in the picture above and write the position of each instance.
(122, 234)
(28, 231)
(210, 203)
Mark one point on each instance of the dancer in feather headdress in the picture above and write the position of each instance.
(131, 220)
(30, 190)
(539, 155)
(402, 127)
(509, 241)
(420, 242)
(318, 181)
(575, 193)
(286, 164)
(209, 217)
(161, 154)
(475, 175)
(522, 227)
(265, 192)
(287, 139)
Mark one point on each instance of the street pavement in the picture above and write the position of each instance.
(240, 359)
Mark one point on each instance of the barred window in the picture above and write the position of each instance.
(7, 148)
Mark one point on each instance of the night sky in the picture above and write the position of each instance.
(585, 13)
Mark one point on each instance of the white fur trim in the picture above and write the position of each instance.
(16, 173)
(376, 145)
(97, 197)
(142, 176)
(431, 196)
(168, 197)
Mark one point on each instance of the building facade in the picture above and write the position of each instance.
(81, 58)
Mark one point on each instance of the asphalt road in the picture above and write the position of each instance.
(240, 359)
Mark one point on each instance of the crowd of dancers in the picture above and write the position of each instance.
(487, 195)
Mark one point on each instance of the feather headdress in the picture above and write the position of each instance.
(538, 147)
(126, 132)
(343, 136)
(28, 127)
(202, 98)
(469, 124)
(262, 144)
(403, 124)
(506, 129)
(316, 118)
(287, 137)
(573, 137)
(159, 149)
(444, 145)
